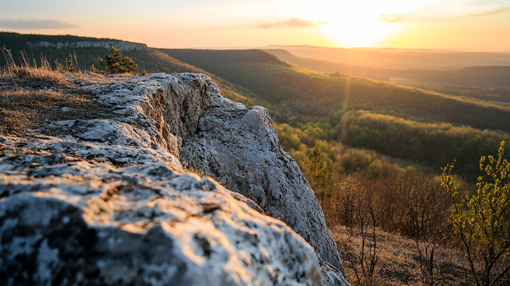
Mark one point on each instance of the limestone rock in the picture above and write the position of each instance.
(106, 44)
(239, 148)
(69, 222)
(115, 191)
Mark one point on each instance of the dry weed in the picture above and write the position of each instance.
(38, 74)
(29, 71)
(32, 96)
(399, 260)
(23, 109)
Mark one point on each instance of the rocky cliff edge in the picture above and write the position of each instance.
(108, 201)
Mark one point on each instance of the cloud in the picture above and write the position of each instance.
(292, 23)
(34, 24)
(410, 17)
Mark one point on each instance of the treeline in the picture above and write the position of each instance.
(17, 40)
(343, 160)
(496, 94)
(426, 143)
(17, 43)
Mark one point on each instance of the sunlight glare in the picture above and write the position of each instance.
(353, 23)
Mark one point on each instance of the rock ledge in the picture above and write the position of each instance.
(108, 201)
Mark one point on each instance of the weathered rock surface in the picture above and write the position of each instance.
(120, 45)
(108, 201)
(72, 223)
(239, 148)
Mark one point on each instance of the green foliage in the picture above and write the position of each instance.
(319, 170)
(482, 221)
(115, 63)
(432, 144)
(300, 141)
(69, 66)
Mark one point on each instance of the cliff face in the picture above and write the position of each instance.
(108, 201)
(120, 45)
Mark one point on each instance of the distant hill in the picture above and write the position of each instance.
(487, 76)
(320, 93)
(22, 41)
(61, 47)
(398, 58)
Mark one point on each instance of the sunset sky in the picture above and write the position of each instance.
(430, 24)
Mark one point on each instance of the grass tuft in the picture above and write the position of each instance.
(33, 96)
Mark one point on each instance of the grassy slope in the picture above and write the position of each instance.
(399, 260)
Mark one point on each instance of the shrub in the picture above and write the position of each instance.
(115, 63)
(482, 221)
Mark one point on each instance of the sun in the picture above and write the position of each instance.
(354, 23)
(357, 32)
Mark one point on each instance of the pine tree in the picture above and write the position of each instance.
(115, 63)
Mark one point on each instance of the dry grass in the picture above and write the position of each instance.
(38, 75)
(399, 260)
(28, 73)
(24, 109)
(33, 96)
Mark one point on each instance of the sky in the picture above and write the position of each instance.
(424, 24)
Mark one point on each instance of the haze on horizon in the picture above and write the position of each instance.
(482, 25)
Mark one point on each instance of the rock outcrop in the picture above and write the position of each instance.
(120, 45)
(107, 201)
(239, 148)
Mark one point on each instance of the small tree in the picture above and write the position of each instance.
(115, 63)
(319, 171)
(482, 221)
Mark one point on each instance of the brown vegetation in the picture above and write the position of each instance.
(33, 96)
(399, 229)
(400, 261)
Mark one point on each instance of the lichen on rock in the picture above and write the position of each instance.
(108, 201)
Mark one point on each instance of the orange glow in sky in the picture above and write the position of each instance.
(432, 24)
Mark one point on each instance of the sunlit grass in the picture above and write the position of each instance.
(33, 96)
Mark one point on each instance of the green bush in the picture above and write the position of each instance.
(482, 221)
(115, 63)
